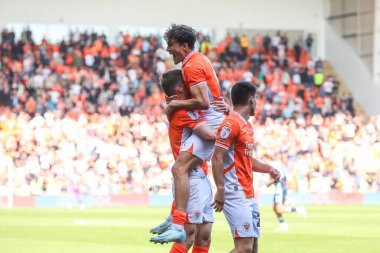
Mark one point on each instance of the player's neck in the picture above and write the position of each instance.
(243, 111)
(187, 56)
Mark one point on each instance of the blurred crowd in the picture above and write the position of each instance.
(85, 115)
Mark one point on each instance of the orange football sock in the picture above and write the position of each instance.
(199, 249)
(179, 217)
(178, 248)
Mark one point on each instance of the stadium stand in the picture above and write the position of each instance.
(85, 116)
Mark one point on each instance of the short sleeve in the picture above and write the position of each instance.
(227, 133)
(194, 74)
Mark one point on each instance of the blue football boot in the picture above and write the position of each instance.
(175, 233)
(163, 226)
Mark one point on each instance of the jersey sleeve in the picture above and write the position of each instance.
(194, 74)
(191, 119)
(227, 133)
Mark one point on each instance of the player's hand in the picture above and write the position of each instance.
(221, 106)
(218, 201)
(274, 174)
(168, 109)
(171, 98)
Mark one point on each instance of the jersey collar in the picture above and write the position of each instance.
(188, 57)
(241, 117)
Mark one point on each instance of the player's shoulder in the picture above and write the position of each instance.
(196, 60)
(230, 122)
(232, 118)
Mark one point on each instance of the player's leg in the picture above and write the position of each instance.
(191, 230)
(195, 211)
(193, 151)
(169, 232)
(203, 238)
(243, 245)
(184, 163)
(255, 247)
(278, 209)
(176, 232)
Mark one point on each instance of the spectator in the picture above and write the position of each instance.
(309, 44)
(91, 115)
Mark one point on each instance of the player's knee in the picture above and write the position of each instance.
(204, 240)
(178, 169)
(244, 248)
(190, 237)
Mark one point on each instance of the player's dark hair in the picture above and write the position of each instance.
(170, 80)
(241, 92)
(182, 34)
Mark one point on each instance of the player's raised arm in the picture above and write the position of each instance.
(258, 166)
(218, 174)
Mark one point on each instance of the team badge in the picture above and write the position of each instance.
(246, 226)
(193, 115)
(197, 213)
(225, 132)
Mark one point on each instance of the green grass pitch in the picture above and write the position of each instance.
(345, 229)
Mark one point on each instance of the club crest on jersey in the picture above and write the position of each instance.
(193, 115)
(225, 132)
(246, 226)
(197, 213)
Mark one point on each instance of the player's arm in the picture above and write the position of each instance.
(199, 100)
(260, 167)
(218, 174)
(205, 131)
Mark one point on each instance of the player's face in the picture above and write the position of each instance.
(253, 105)
(177, 50)
(181, 91)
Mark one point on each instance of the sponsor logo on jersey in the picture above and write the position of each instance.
(225, 132)
(193, 115)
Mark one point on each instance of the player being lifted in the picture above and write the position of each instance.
(233, 165)
(203, 86)
(199, 211)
